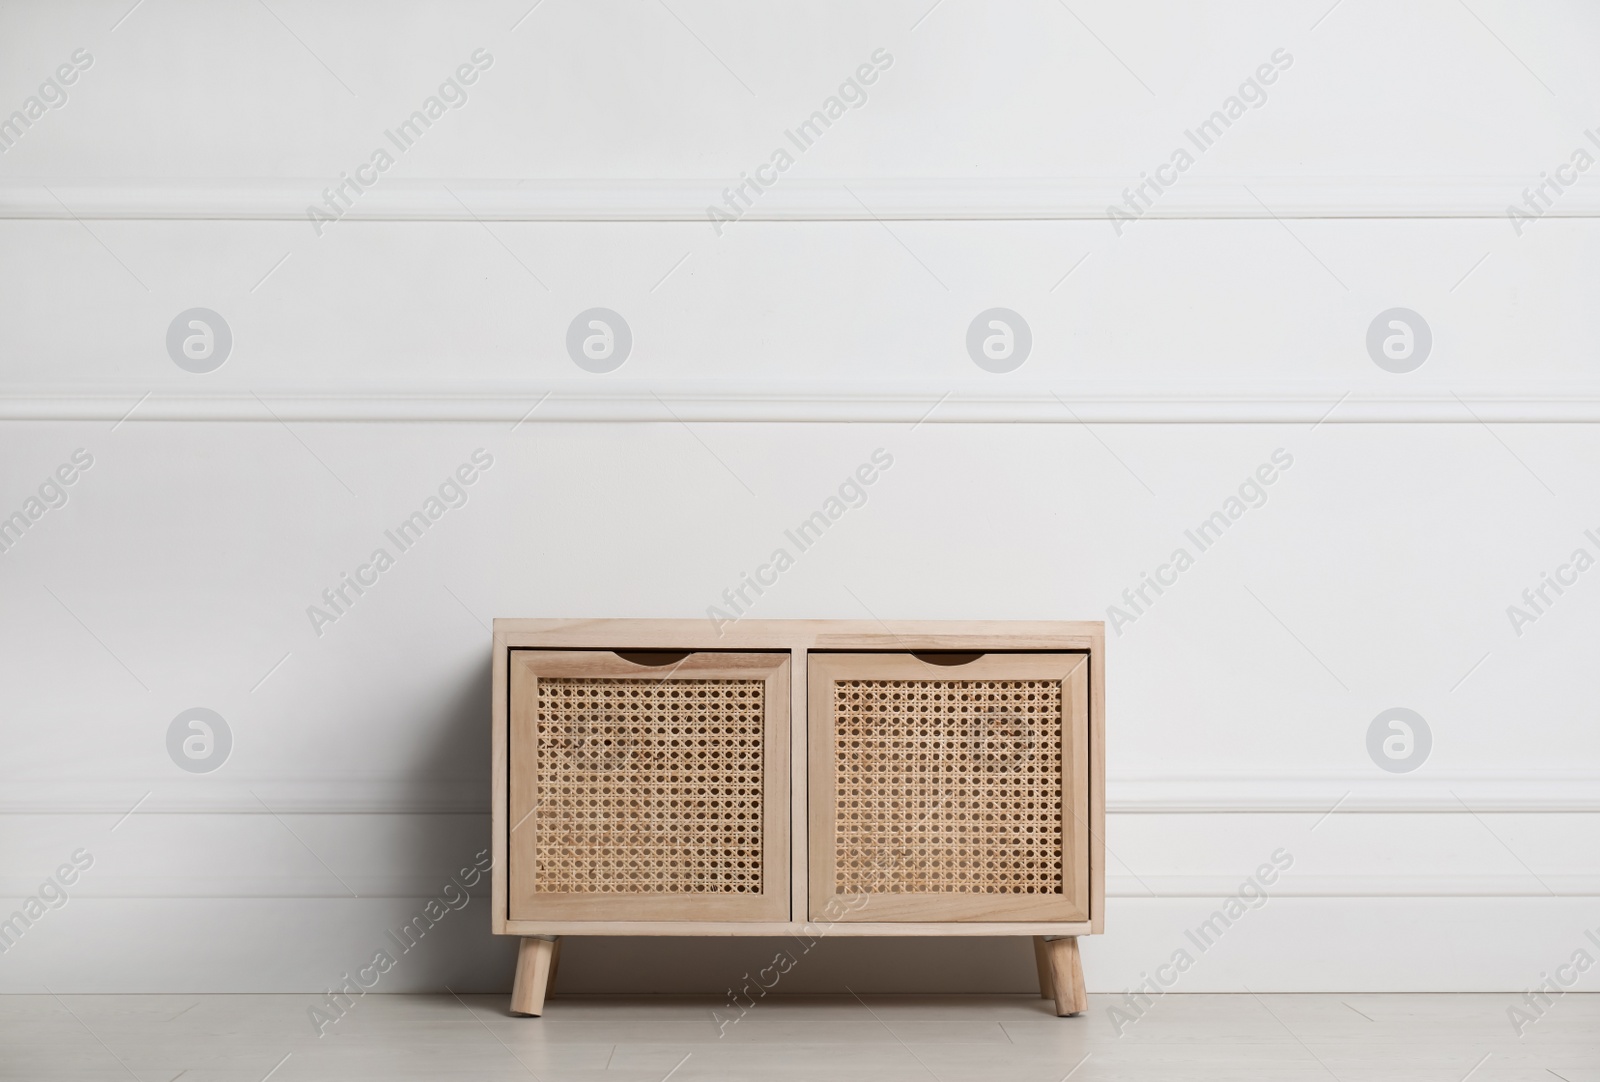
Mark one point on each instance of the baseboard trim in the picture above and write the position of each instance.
(194, 946)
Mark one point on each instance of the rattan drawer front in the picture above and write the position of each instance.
(949, 792)
(649, 791)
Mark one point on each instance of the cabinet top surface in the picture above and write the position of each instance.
(710, 634)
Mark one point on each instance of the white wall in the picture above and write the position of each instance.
(769, 361)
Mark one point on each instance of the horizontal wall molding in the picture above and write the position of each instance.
(350, 886)
(223, 885)
(1365, 885)
(1313, 795)
(996, 400)
(1316, 794)
(202, 797)
(790, 200)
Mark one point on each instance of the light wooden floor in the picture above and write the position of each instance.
(1282, 1038)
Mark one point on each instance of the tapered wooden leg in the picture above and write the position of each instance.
(534, 956)
(1041, 958)
(1066, 976)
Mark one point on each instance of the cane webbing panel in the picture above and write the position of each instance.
(649, 786)
(947, 786)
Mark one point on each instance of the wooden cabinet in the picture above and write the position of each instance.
(798, 777)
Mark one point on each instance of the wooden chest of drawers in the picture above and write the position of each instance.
(666, 777)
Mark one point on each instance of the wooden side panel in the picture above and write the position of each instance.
(1076, 871)
(499, 794)
(1097, 781)
(799, 793)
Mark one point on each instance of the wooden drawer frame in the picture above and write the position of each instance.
(800, 638)
(772, 903)
(1071, 669)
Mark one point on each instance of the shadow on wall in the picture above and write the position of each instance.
(438, 936)
(863, 964)
(460, 749)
